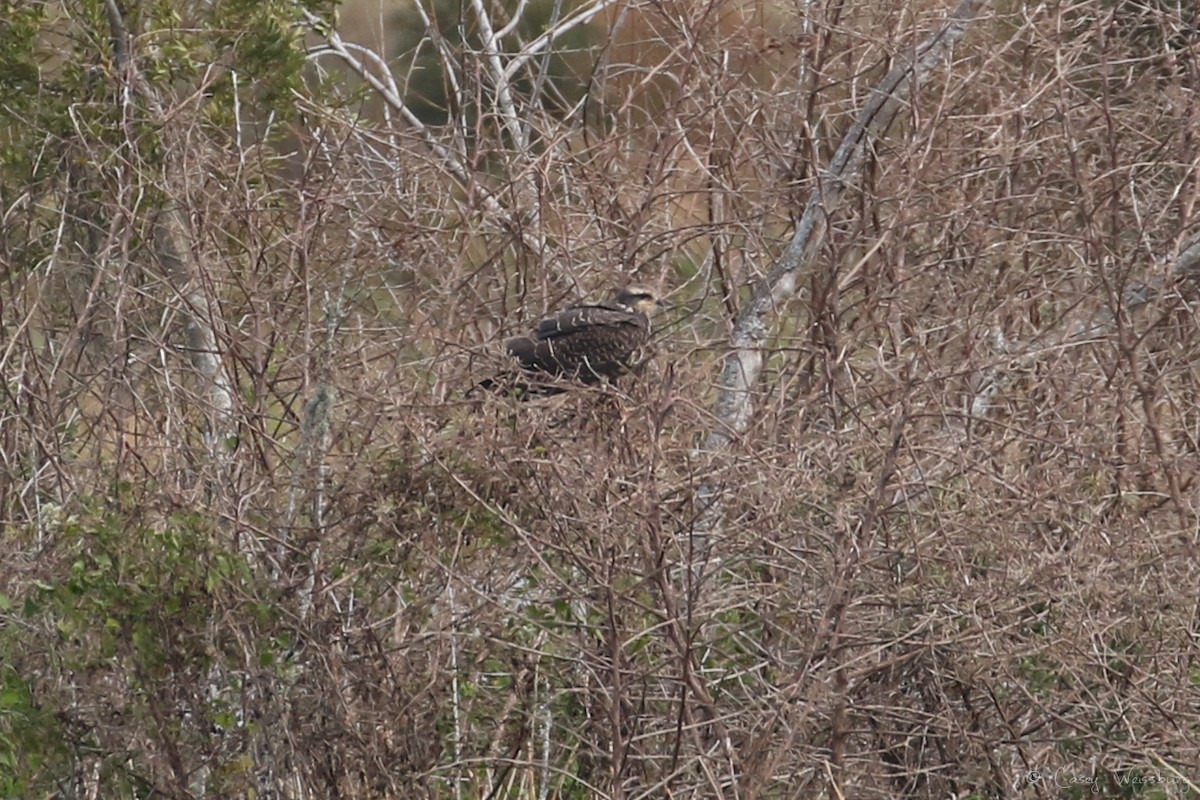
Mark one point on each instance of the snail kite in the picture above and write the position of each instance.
(584, 343)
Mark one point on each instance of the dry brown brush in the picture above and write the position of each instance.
(950, 550)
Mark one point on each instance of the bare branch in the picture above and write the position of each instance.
(387, 89)
(504, 96)
(173, 248)
(735, 399)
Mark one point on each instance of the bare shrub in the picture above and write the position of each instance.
(949, 549)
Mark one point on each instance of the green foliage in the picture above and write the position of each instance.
(263, 42)
(32, 743)
(72, 123)
(143, 616)
(19, 23)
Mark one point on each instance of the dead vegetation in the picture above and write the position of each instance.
(952, 552)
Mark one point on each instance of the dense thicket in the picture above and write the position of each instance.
(258, 540)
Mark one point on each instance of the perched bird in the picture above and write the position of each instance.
(584, 343)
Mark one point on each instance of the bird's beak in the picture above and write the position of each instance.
(662, 302)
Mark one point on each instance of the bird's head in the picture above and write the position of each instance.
(639, 298)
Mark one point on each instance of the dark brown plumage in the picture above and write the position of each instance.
(583, 343)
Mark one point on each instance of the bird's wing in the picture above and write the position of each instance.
(580, 318)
